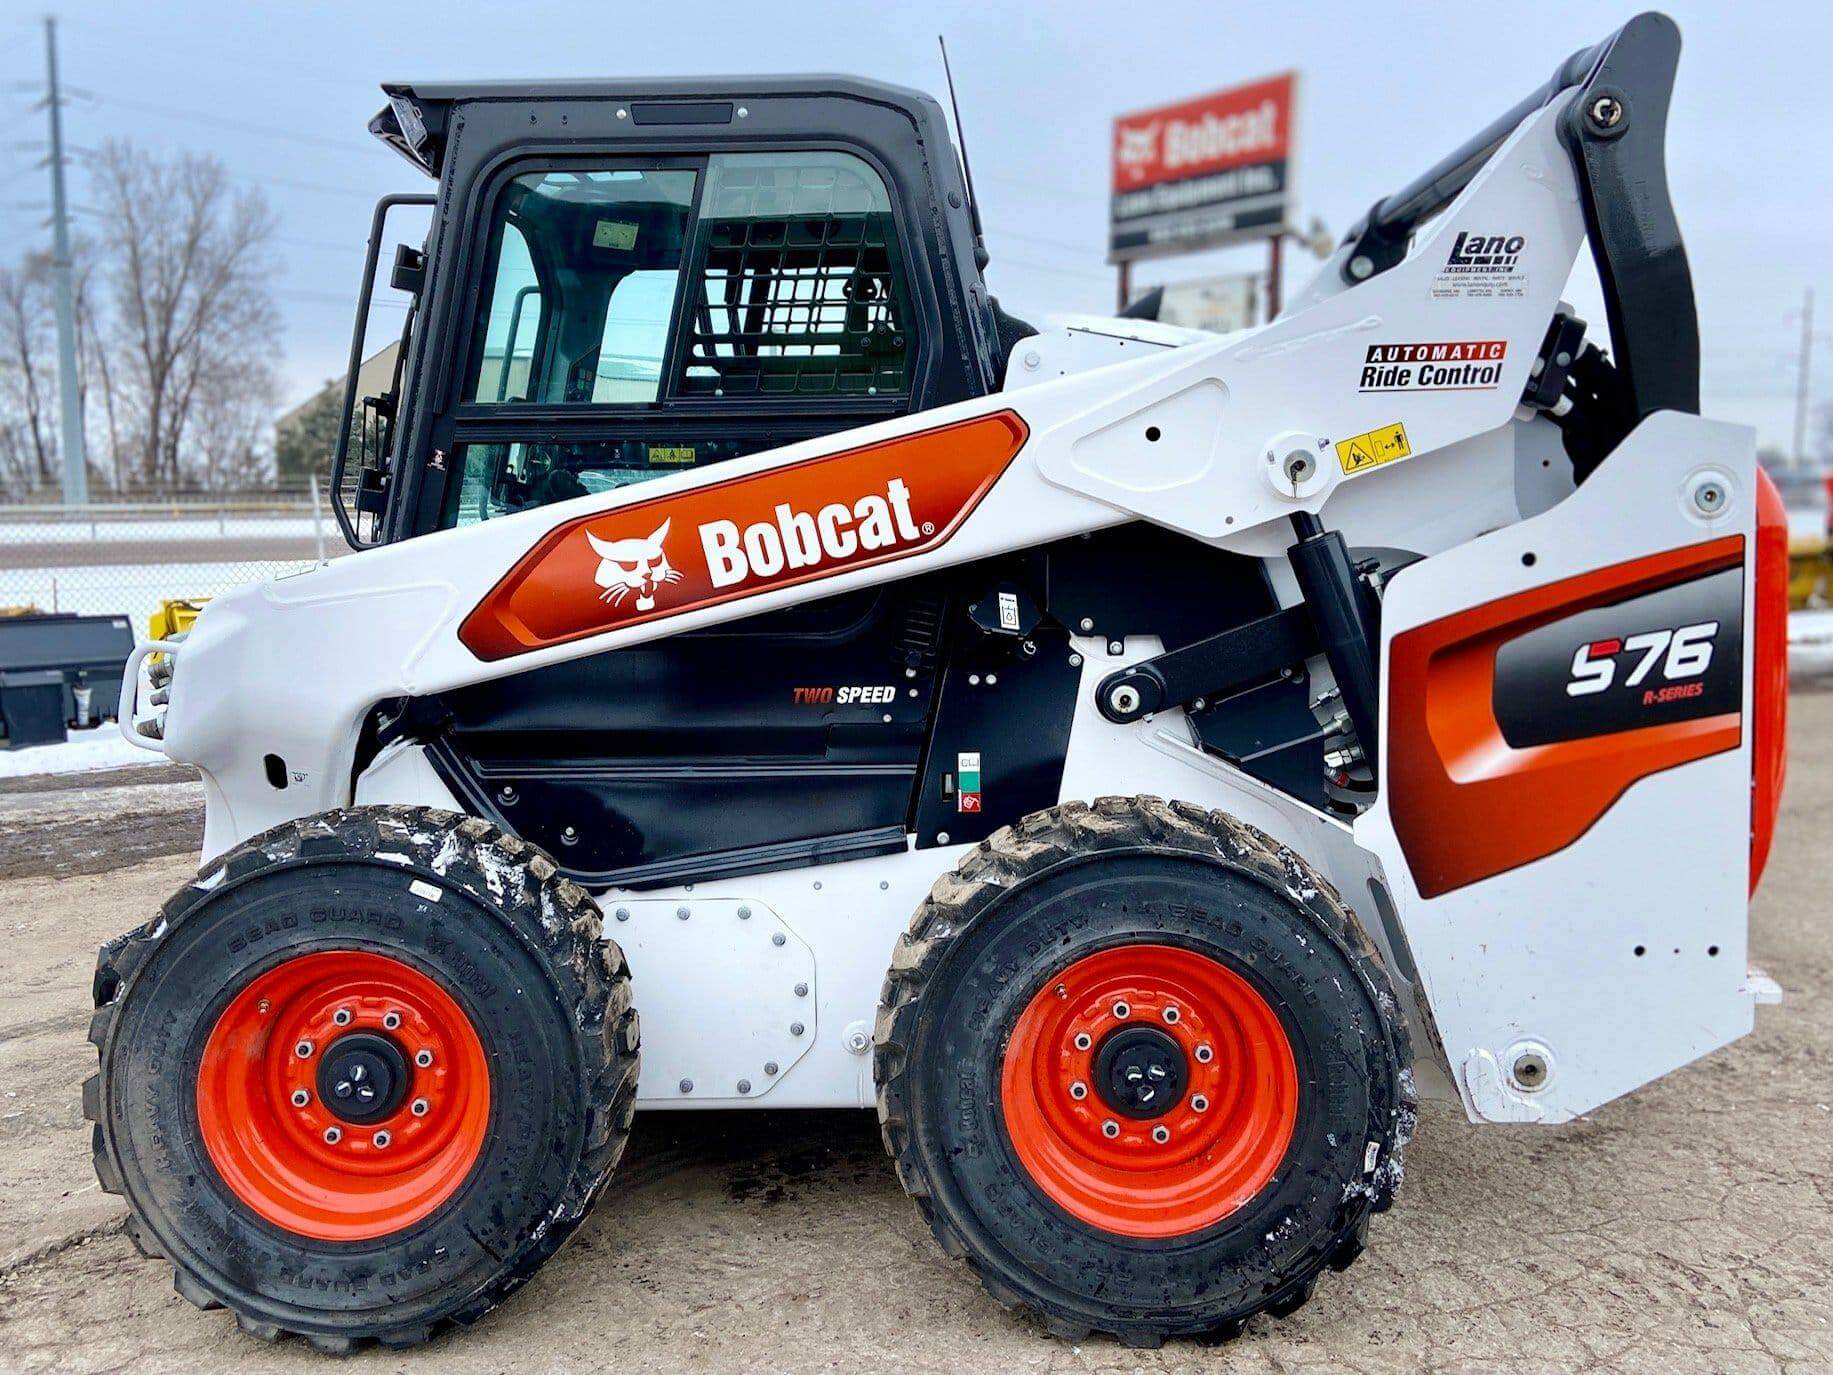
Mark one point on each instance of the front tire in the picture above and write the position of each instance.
(363, 1077)
(1139, 1066)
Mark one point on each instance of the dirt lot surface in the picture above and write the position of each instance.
(1688, 1228)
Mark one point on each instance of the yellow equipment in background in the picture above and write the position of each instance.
(1810, 573)
(174, 617)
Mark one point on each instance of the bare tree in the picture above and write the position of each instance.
(28, 390)
(188, 367)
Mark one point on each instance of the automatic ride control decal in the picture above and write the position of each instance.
(1460, 365)
(727, 540)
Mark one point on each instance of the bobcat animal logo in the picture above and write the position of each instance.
(1138, 147)
(633, 565)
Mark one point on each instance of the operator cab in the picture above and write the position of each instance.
(629, 279)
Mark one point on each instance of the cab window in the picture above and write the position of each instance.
(693, 311)
(582, 283)
(797, 286)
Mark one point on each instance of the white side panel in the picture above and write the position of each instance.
(1543, 957)
(717, 1010)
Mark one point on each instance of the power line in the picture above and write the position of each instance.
(236, 125)
(1007, 260)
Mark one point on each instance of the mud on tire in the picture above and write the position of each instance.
(444, 932)
(1013, 947)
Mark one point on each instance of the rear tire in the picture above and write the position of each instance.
(1089, 950)
(364, 1076)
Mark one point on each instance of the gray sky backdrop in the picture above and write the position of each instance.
(282, 92)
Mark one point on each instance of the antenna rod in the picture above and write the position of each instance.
(967, 170)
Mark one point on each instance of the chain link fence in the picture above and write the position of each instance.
(126, 556)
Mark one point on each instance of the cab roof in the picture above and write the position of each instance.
(414, 121)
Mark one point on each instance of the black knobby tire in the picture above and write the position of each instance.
(483, 916)
(1077, 880)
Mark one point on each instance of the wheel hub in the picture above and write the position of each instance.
(363, 1077)
(343, 1095)
(1149, 1090)
(1141, 1072)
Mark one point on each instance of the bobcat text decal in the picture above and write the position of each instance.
(745, 535)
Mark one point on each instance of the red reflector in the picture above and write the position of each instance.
(1769, 675)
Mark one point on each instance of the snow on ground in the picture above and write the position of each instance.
(84, 752)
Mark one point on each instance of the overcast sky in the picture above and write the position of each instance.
(282, 93)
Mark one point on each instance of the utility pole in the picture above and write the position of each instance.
(1801, 379)
(63, 286)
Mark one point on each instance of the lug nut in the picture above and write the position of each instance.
(1205, 1054)
(420, 1107)
(341, 1016)
(1199, 1103)
(392, 1020)
(1171, 1014)
(303, 1050)
(380, 1140)
(1078, 1090)
(1122, 1011)
(1110, 1129)
(333, 1135)
(1161, 1134)
(423, 1058)
(301, 1098)
(1083, 1040)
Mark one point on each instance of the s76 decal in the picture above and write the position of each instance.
(1671, 655)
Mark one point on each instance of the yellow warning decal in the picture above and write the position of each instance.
(1374, 448)
(670, 453)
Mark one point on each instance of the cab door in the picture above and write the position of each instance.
(640, 317)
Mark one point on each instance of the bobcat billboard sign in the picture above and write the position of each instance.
(1203, 173)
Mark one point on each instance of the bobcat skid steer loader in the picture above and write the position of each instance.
(1137, 763)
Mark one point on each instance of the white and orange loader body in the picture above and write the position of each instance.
(1581, 683)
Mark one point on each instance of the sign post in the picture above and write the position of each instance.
(1204, 173)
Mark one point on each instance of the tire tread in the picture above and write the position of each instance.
(1065, 833)
(560, 917)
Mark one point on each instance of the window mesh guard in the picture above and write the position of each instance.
(797, 292)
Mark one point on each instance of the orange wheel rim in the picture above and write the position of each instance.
(1096, 1037)
(343, 1095)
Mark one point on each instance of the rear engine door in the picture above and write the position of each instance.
(1566, 765)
